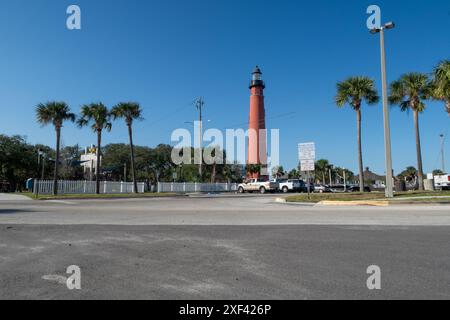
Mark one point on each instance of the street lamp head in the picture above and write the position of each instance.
(375, 30)
(389, 25)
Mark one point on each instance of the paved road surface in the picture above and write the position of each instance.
(214, 211)
(221, 249)
(13, 197)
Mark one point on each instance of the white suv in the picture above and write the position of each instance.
(291, 185)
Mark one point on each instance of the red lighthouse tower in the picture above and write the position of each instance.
(257, 144)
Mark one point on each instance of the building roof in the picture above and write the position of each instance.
(369, 175)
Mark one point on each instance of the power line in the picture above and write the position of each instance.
(166, 117)
(283, 115)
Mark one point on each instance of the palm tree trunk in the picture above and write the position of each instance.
(55, 176)
(419, 151)
(447, 106)
(133, 171)
(360, 157)
(213, 173)
(98, 165)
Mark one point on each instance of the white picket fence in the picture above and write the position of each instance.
(191, 187)
(45, 187)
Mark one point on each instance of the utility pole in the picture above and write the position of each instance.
(442, 152)
(200, 103)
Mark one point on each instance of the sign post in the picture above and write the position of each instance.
(307, 156)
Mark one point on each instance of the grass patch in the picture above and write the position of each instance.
(100, 196)
(318, 197)
(426, 200)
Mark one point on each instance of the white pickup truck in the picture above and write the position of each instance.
(442, 182)
(257, 185)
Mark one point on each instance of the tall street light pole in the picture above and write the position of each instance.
(199, 105)
(442, 152)
(387, 129)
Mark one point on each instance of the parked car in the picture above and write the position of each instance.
(321, 188)
(339, 188)
(356, 189)
(291, 185)
(258, 185)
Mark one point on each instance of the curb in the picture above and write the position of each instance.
(355, 203)
(107, 198)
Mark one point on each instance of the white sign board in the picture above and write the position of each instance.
(307, 151)
(307, 165)
(307, 156)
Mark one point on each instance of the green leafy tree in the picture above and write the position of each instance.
(153, 164)
(410, 92)
(234, 172)
(115, 157)
(55, 113)
(253, 169)
(70, 163)
(130, 112)
(354, 91)
(98, 116)
(161, 164)
(441, 83)
(438, 172)
(18, 162)
(409, 175)
(294, 174)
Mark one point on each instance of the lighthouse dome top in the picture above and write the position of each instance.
(257, 70)
(257, 79)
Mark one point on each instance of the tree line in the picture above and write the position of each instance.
(19, 162)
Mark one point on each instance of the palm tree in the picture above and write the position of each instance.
(129, 111)
(55, 113)
(441, 83)
(100, 117)
(409, 92)
(353, 92)
(322, 167)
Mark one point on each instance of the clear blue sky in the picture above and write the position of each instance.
(165, 53)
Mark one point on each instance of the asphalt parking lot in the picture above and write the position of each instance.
(221, 248)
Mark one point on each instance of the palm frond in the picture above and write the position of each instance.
(410, 91)
(96, 114)
(440, 84)
(353, 91)
(54, 112)
(129, 111)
